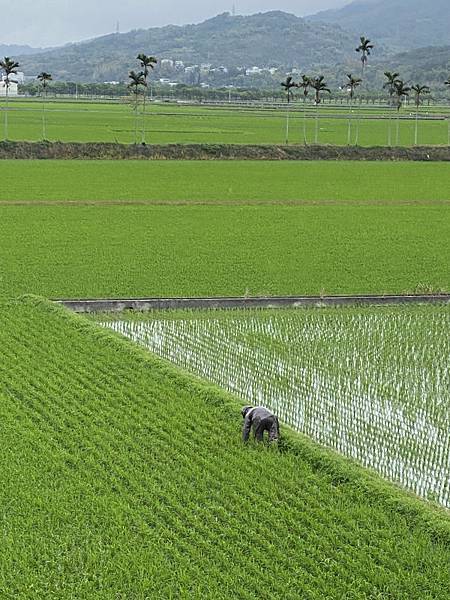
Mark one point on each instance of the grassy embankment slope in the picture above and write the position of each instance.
(257, 228)
(117, 482)
(90, 122)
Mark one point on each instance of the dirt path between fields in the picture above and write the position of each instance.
(109, 151)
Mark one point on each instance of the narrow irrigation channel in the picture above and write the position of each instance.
(147, 304)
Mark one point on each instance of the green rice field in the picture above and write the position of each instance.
(372, 383)
(169, 123)
(115, 229)
(122, 477)
(163, 251)
(237, 181)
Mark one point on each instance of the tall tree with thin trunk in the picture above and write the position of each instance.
(447, 82)
(351, 84)
(392, 80)
(9, 67)
(419, 91)
(45, 79)
(288, 86)
(304, 85)
(401, 92)
(319, 86)
(365, 48)
(136, 85)
(147, 63)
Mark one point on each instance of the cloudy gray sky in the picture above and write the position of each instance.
(55, 22)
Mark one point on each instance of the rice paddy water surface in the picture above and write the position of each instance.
(371, 383)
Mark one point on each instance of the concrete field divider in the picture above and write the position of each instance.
(148, 304)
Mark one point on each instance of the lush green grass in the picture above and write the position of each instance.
(222, 250)
(365, 381)
(223, 181)
(122, 478)
(83, 121)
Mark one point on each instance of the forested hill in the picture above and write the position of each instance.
(400, 24)
(266, 39)
(429, 66)
(426, 65)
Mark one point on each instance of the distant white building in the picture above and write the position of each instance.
(12, 91)
(167, 63)
(254, 71)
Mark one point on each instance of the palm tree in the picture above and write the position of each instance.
(419, 91)
(304, 84)
(9, 67)
(392, 80)
(44, 78)
(364, 48)
(351, 84)
(288, 85)
(319, 85)
(137, 81)
(447, 82)
(147, 62)
(401, 91)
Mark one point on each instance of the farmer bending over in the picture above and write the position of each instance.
(261, 420)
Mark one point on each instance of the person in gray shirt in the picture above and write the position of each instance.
(261, 420)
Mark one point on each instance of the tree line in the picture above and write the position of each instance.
(397, 89)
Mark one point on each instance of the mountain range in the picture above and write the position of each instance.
(17, 50)
(267, 39)
(274, 39)
(398, 24)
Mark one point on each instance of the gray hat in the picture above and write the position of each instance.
(245, 410)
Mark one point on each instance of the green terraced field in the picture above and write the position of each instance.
(168, 123)
(372, 383)
(205, 181)
(121, 477)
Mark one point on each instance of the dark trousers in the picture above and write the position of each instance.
(271, 425)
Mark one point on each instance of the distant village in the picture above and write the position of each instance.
(171, 73)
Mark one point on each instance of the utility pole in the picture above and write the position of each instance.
(117, 27)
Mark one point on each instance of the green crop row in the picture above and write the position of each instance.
(120, 477)
(222, 181)
(372, 383)
(90, 122)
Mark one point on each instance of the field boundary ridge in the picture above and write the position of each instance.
(112, 151)
(148, 304)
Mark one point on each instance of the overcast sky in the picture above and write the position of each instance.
(56, 22)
